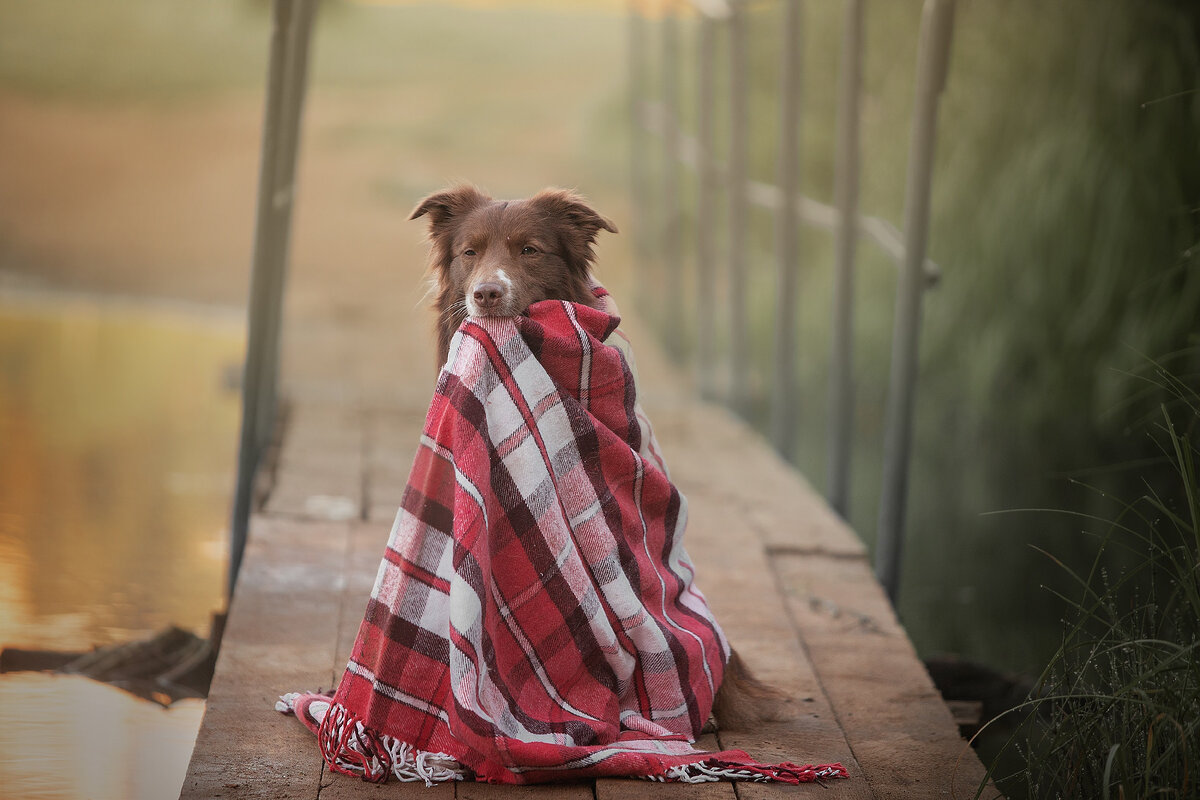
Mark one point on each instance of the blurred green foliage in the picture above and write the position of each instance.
(1067, 187)
(1116, 711)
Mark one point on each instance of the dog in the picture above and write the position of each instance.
(494, 258)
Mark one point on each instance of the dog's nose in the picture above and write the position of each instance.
(487, 294)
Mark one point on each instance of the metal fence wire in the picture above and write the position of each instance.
(721, 181)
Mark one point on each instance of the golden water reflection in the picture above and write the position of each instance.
(118, 426)
(67, 737)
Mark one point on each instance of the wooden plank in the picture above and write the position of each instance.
(709, 450)
(391, 443)
(893, 717)
(632, 789)
(737, 581)
(469, 790)
(279, 638)
(345, 787)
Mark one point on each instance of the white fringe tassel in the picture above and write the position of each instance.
(408, 763)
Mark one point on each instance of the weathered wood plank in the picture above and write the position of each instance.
(391, 443)
(279, 637)
(345, 787)
(728, 460)
(469, 790)
(893, 717)
(737, 581)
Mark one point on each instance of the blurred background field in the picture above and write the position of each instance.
(1067, 188)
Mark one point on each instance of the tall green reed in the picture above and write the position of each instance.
(1116, 712)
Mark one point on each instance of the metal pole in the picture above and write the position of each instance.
(739, 349)
(287, 76)
(932, 57)
(783, 403)
(672, 212)
(637, 139)
(845, 193)
(705, 302)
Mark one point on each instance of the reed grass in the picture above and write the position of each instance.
(1116, 711)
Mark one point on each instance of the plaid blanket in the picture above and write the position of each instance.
(534, 617)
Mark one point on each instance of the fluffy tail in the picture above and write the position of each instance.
(744, 701)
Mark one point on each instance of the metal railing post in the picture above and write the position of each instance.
(845, 193)
(787, 247)
(932, 59)
(707, 168)
(292, 22)
(739, 349)
(637, 131)
(672, 207)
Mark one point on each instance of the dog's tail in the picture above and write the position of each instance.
(743, 700)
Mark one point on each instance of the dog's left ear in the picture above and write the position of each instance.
(578, 222)
(573, 208)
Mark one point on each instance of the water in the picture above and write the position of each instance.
(118, 426)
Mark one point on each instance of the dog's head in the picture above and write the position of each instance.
(497, 257)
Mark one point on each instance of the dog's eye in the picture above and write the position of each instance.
(468, 252)
(528, 251)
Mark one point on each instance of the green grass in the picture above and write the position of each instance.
(1116, 712)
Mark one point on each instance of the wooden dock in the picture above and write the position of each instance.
(788, 580)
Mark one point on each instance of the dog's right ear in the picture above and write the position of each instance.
(445, 207)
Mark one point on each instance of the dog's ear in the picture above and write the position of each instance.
(577, 222)
(570, 207)
(447, 206)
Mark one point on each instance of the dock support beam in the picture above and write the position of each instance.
(291, 32)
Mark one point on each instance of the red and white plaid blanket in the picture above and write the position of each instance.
(534, 617)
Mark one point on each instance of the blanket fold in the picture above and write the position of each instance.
(534, 617)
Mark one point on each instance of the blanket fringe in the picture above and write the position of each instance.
(717, 770)
(351, 748)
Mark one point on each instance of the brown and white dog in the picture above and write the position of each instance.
(494, 258)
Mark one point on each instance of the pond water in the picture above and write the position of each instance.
(118, 430)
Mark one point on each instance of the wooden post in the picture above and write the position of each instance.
(672, 238)
(739, 348)
(783, 401)
(937, 25)
(286, 81)
(845, 196)
(707, 169)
